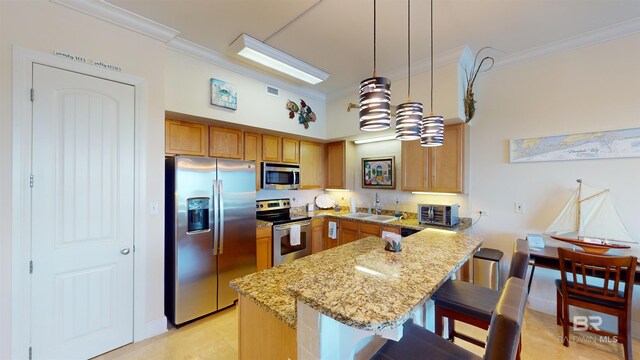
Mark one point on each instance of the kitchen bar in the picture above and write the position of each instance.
(357, 290)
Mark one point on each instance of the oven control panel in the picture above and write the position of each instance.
(276, 204)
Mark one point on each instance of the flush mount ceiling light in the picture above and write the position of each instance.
(375, 139)
(256, 50)
(375, 95)
(409, 114)
(432, 133)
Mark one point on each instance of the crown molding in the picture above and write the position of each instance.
(589, 38)
(116, 15)
(202, 53)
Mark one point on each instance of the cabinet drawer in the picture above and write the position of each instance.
(349, 225)
(369, 229)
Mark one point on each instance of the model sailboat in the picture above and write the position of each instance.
(590, 221)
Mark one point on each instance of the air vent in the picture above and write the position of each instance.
(273, 90)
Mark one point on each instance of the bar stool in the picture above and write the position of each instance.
(472, 304)
(502, 341)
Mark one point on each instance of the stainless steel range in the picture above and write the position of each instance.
(291, 233)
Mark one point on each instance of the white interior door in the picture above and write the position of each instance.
(81, 214)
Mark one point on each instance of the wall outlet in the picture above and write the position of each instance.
(518, 207)
(482, 212)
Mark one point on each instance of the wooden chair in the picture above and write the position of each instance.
(574, 289)
(502, 340)
(472, 304)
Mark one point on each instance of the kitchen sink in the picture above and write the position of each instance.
(381, 218)
(357, 215)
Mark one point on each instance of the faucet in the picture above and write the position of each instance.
(378, 209)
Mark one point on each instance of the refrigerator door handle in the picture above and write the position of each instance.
(221, 225)
(215, 218)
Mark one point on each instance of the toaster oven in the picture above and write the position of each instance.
(443, 215)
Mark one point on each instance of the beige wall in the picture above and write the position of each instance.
(589, 89)
(44, 26)
(187, 91)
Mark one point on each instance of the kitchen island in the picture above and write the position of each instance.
(330, 304)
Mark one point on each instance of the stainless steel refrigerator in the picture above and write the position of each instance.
(210, 235)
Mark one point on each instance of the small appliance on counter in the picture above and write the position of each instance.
(433, 214)
(291, 233)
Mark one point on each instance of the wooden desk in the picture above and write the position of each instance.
(547, 258)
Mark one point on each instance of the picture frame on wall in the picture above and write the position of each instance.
(379, 173)
(224, 94)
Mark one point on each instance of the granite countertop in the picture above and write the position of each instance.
(262, 223)
(411, 222)
(360, 284)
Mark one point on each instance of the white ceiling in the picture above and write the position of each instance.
(337, 35)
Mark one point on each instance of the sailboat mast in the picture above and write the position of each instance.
(579, 227)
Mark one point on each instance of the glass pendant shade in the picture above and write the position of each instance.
(432, 133)
(408, 121)
(375, 104)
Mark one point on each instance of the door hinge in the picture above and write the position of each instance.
(30, 353)
(31, 180)
(31, 267)
(32, 94)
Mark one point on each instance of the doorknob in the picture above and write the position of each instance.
(125, 251)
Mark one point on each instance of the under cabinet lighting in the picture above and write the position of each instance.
(433, 193)
(256, 50)
(375, 139)
(339, 190)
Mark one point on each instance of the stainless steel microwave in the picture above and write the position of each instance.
(444, 215)
(276, 176)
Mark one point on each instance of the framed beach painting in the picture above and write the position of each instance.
(223, 94)
(379, 173)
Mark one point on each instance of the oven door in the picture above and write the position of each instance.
(280, 176)
(283, 250)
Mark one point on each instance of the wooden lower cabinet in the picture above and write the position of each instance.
(348, 231)
(263, 336)
(392, 229)
(328, 242)
(369, 230)
(317, 235)
(264, 258)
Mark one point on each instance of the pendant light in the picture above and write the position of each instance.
(375, 95)
(432, 133)
(409, 114)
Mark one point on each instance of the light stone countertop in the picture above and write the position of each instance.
(360, 284)
(262, 223)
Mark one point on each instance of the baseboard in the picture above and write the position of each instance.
(156, 327)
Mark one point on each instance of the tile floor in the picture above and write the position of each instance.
(215, 337)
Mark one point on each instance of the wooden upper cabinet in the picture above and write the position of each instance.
(336, 172)
(414, 166)
(225, 143)
(311, 165)
(446, 162)
(253, 151)
(271, 148)
(290, 151)
(185, 138)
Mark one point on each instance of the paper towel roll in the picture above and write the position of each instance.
(353, 205)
